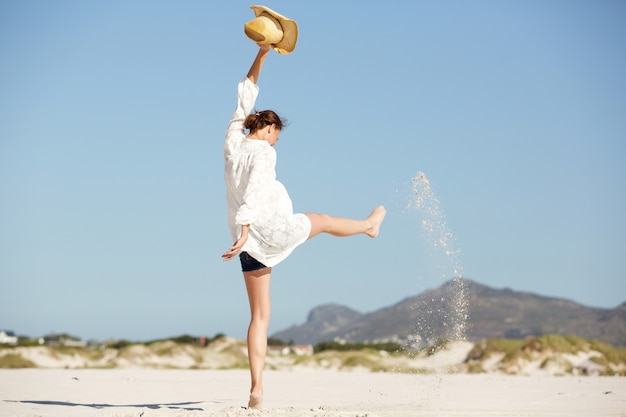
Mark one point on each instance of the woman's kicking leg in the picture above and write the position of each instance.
(340, 226)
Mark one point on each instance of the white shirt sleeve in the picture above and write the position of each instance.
(247, 92)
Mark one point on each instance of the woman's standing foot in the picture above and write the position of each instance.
(255, 402)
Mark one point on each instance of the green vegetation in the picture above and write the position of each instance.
(182, 340)
(611, 353)
(356, 360)
(164, 348)
(483, 350)
(474, 368)
(559, 362)
(272, 341)
(514, 350)
(27, 341)
(84, 352)
(500, 355)
(15, 361)
(120, 344)
(343, 347)
(237, 359)
(557, 344)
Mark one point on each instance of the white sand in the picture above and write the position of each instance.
(302, 393)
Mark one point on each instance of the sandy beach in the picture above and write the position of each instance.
(304, 393)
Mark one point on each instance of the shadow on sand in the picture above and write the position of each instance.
(186, 406)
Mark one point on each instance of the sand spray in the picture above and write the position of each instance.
(446, 318)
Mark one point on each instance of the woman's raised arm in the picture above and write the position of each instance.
(255, 69)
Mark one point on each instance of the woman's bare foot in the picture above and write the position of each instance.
(255, 402)
(375, 219)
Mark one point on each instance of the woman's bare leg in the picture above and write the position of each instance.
(258, 287)
(340, 226)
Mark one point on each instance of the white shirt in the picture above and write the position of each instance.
(253, 195)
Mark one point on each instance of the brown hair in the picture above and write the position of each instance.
(258, 120)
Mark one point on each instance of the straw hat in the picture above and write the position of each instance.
(269, 27)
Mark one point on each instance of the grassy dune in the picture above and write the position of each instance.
(549, 354)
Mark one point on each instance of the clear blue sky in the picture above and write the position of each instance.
(112, 117)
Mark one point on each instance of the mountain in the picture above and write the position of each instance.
(462, 309)
(321, 324)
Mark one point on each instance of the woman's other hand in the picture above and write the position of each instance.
(236, 248)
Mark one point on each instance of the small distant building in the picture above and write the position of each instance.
(278, 350)
(7, 337)
(302, 350)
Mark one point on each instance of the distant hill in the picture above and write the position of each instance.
(321, 324)
(439, 313)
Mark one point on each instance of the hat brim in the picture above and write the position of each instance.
(290, 30)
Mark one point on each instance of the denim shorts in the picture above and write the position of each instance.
(248, 263)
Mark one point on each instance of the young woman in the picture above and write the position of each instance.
(260, 214)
